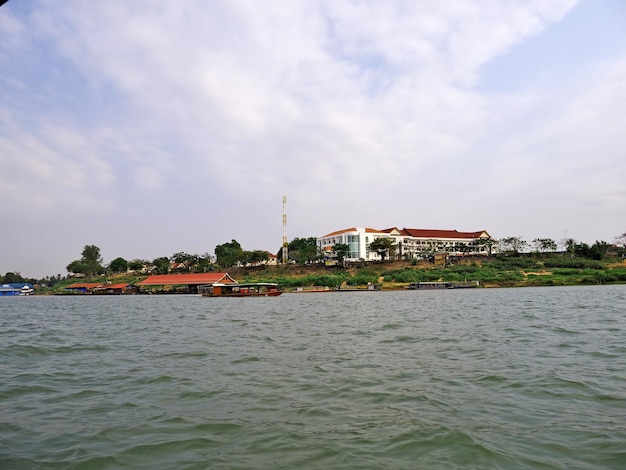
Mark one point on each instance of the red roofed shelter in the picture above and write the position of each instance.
(82, 288)
(188, 282)
(115, 289)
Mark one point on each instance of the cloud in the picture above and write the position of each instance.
(373, 113)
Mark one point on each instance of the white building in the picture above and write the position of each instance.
(410, 243)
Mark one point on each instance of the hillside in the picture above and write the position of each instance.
(497, 272)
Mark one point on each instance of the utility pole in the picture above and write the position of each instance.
(285, 254)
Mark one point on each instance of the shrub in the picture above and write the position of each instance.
(578, 263)
(517, 262)
(362, 279)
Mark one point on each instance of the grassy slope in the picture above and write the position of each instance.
(501, 272)
(519, 271)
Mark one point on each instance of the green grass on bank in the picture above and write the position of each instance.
(512, 271)
(499, 272)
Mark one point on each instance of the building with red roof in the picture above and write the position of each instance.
(188, 282)
(410, 243)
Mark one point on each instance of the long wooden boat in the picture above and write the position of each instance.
(313, 289)
(236, 289)
(369, 288)
(442, 285)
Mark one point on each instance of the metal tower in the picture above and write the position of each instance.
(285, 254)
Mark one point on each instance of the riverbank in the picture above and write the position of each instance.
(496, 272)
(520, 271)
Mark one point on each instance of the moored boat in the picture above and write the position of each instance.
(308, 289)
(236, 289)
(442, 285)
(368, 288)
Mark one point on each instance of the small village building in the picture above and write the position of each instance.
(183, 283)
(16, 288)
(115, 289)
(82, 288)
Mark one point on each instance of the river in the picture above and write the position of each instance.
(527, 378)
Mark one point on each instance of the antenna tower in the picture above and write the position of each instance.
(285, 255)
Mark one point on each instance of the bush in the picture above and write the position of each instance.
(362, 279)
(578, 263)
(517, 262)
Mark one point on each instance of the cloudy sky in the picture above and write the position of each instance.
(152, 127)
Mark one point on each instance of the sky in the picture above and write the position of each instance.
(153, 127)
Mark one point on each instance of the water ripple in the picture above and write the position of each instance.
(503, 378)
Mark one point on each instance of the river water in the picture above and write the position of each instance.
(479, 378)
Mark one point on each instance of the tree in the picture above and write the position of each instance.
(514, 244)
(569, 244)
(383, 246)
(76, 267)
(205, 263)
(190, 262)
(228, 254)
(487, 244)
(599, 250)
(303, 250)
(118, 265)
(341, 250)
(620, 241)
(91, 254)
(162, 264)
(89, 264)
(137, 264)
(10, 278)
(544, 244)
(253, 258)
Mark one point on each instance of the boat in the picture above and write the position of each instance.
(442, 285)
(368, 288)
(307, 289)
(237, 289)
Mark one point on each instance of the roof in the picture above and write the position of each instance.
(185, 279)
(113, 286)
(352, 229)
(427, 233)
(418, 233)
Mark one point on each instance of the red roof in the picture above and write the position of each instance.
(113, 286)
(418, 233)
(185, 279)
(84, 285)
(353, 229)
(425, 233)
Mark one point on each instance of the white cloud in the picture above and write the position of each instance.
(370, 107)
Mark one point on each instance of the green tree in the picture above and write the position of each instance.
(384, 247)
(303, 250)
(10, 278)
(228, 254)
(544, 244)
(137, 264)
(91, 254)
(118, 265)
(513, 244)
(570, 245)
(162, 264)
(252, 258)
(89, 264)
(620, 241)
(341, 250)
(76, 267)
(190, 261)
(259, 256)
(205, 263)
(599, 250)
